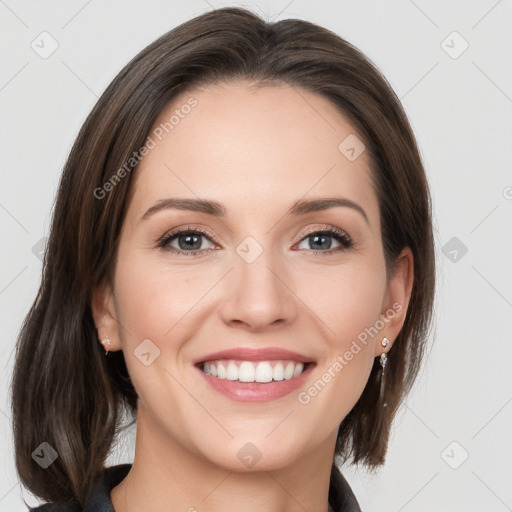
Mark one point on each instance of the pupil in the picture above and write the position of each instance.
(323, 237)
(187, 238)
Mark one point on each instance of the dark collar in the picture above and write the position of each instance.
(99, 498)
(350, 503)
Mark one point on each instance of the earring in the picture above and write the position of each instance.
(383, 361)
(106, 341)
(383, 356)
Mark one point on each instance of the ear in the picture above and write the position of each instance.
(104, 316)
(396, 299)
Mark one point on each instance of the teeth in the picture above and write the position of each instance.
(246, 372)
(278, 371)
(232, 372)
(289, 371)
(264, 372)
(249, 371)
(221, 370)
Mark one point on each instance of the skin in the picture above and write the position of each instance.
(246, 147)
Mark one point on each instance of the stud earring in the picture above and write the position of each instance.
(106, 341)
(383, 361)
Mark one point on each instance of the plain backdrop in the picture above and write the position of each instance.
(449, 63)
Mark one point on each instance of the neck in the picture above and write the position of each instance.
(167, 476)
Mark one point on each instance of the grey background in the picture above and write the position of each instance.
(460, 109)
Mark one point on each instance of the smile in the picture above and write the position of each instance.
(255, 381)
(254, 371)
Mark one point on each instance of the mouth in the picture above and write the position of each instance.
(255, 375)
(254, 371)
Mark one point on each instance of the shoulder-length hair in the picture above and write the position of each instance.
(65, 392)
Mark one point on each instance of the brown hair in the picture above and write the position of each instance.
(64, 390)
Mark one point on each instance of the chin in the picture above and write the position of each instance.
(242, 455)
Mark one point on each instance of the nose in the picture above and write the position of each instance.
(258, 295)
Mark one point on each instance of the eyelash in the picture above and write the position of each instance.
(342, 237)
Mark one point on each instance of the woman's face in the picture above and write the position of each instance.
(251, 272)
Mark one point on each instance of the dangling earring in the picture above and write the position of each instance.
(383, 361)
(106, 341)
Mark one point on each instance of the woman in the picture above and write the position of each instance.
(244, 225)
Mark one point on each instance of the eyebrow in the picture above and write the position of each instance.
(300, 207)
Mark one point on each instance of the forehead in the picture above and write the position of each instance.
(244, 145)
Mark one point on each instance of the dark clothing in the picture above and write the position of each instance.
(99, 498)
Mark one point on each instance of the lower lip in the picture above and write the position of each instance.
(256, 391)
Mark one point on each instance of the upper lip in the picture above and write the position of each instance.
(255, 354)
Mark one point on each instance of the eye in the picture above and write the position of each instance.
(189, 241)
(322, 239)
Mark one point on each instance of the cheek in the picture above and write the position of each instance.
(345, 300)
(148, 306)
(157, 303)
(150, 298)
